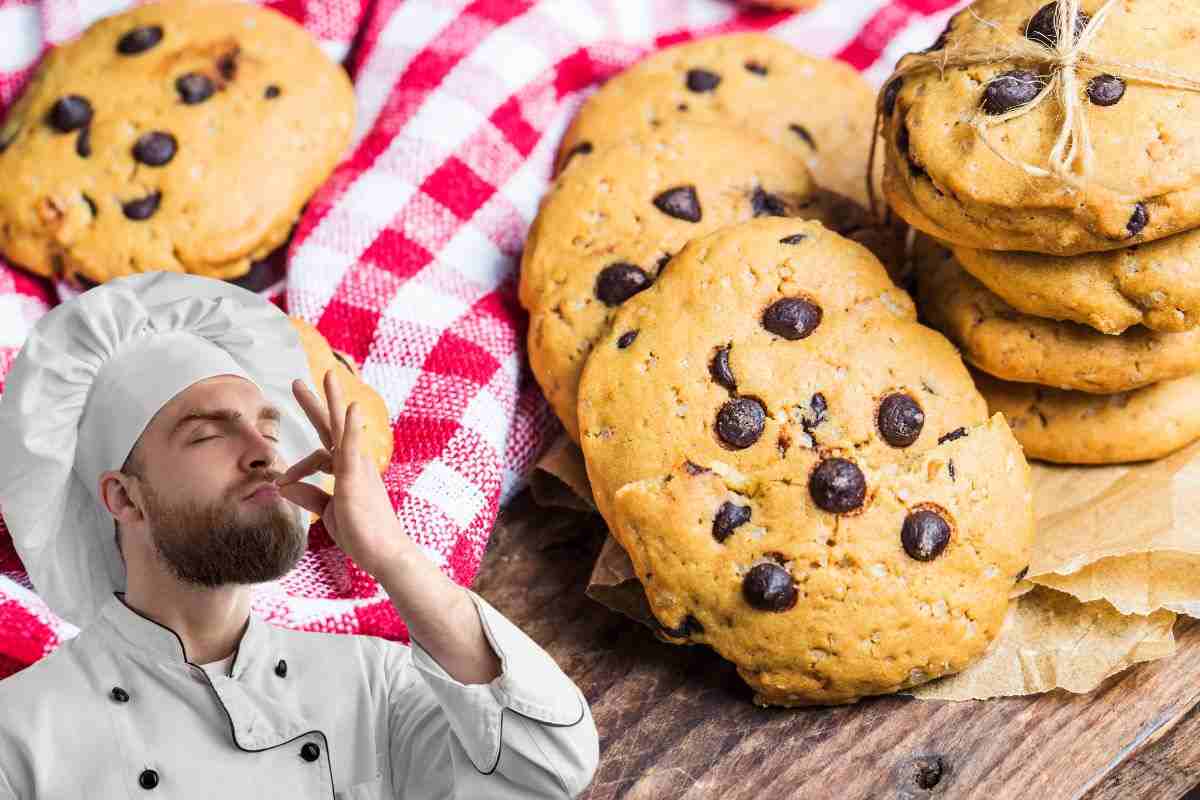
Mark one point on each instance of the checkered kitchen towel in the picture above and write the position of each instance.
(407, 257)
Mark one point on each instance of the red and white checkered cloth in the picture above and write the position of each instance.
(407, 257)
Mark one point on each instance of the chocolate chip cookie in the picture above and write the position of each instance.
(609, 226)
(804, 477)
(377, 437)
(184, 137)
(1020, 347)
(821, 109)
(1079, 428)
(1145, 179)
(1156, 284)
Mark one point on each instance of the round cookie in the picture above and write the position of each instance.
(1079, 428)
(183, 137)
(1021, 347)
(820, 109)
(609, 225)
(1156, 284)
(1145, 182)
(804, 477)
(377, 437)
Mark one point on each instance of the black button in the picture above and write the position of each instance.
(310, 752)
(148, 779)
(119, 694)
(281, 668)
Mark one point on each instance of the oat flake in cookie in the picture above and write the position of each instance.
(152, 142)
(1145, 179)
(609, 225)
(825, 502)
(821, 109)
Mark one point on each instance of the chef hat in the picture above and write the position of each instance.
(89, 378)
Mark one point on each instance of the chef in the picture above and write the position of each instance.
(154, 466)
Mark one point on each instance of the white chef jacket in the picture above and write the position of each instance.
(119, 712)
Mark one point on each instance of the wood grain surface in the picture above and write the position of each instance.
(677, 722)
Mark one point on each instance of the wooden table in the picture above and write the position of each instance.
(677, 722)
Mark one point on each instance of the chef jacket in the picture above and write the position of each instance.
(119, 711)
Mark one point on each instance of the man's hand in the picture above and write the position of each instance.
(359, 515)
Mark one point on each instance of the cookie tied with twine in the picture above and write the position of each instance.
(1053, 65)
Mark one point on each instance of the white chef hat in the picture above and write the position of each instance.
(89, 378)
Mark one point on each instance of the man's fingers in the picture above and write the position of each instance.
(316, 413)
(316, 461)
(337, 409)
(309, 497)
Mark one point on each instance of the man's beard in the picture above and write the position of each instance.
(225, 543)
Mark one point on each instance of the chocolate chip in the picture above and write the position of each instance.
(819, 408)
(1043, 26)
(140, 40)
(769, 587)
(719, 369)
(957, 433)
(271, 92)
(581, 149)
(765, 203)
(1010, 90)
(837, 486)
(756, 68)
(142, 208)
(618, 282)
(155, 148)
(194, 88)
(900, 419)
(83, 142)
(795, 238)
(262, 274)
(1024, 571)
(626, 339)
(686, 628)
(82, 282)
(792, 318)
(890, 93)
(1106, 90)
(728, 517)
(803, 133)
(91, 204)
(680, 202)
(693, 468)
(1139, 220)
(950, 468)
(662, 262)
(227, 64)
(925, 534)
(740, 422)
(701, 80)
(902, 145)
(70, 113)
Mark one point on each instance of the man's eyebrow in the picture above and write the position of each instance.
(220, 415)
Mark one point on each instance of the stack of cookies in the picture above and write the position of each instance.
(1075, 294)
(804, 477)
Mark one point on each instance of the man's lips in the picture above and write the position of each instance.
(266, 491)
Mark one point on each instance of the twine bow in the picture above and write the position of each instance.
(1064, 57)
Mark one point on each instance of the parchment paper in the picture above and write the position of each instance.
(1117, 554)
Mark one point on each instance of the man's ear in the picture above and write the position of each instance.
(115, 493)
